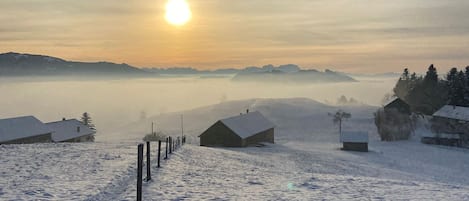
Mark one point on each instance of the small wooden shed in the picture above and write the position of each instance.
(397, 104)
(239, 131)
(23, 130)
(70, 130)
(354, 141)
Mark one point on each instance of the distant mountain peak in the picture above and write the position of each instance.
(19, 64)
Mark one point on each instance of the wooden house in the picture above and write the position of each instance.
(398, 105)
(23, 130)
(239, 131)
(450, 126)
(70, 130)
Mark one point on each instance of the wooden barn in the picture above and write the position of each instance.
(450, 125)
(398, 105)
(354, 141)
(70, 130)
(239, 131)
(24, 130)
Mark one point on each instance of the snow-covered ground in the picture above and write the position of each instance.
(304, 164)
(65, 171)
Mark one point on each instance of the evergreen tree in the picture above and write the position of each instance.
(427, 95)
(431, 77)
(86, 120)
(457, 97)
(451, 76)
(451, 81)
(403, 85)
(413, 77)
(466, 87)
(405, 74)
(467, 73)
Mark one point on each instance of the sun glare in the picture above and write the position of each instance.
(177, 12)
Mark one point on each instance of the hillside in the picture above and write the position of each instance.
(305, 163)
(296, 118)
(16, 64)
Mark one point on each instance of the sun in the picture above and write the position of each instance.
(178, 12)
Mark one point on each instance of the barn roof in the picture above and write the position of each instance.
(249, 124)
(354, 136)
(453, 112)
(394, 99)
(21, 127)
(390, 100)
(67, 129)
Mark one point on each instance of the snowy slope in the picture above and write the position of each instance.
(283, 172)
(304, 164)
(64, 171)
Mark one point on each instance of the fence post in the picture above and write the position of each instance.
(170, 145)
(139, 172)
(166, 157)
(148, 162)
(159, 152)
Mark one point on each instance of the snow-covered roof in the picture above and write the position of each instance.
(68, 129)
(354, 136)
(392, 99)
(246, 125)
(21, 127)
(453, 112)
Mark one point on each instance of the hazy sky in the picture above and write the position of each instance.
(348, 35)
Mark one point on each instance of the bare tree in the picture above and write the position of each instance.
(338, 117)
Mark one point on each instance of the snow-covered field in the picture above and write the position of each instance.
(304, 164)
(64, 171)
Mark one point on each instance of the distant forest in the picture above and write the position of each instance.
(426, 94)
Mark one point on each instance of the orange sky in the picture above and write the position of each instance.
(353, 36)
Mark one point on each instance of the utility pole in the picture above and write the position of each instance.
(152, 128)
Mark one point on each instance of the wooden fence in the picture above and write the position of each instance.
(171, 146)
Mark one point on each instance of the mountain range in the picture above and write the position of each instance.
(16, 64)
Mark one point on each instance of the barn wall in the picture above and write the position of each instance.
(445, 125)
(220, 135)
(35, 139)
(351, 146)
(265, 136)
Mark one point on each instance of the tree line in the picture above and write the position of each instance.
(426, 94)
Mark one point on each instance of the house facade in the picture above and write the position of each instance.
(239, 131)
